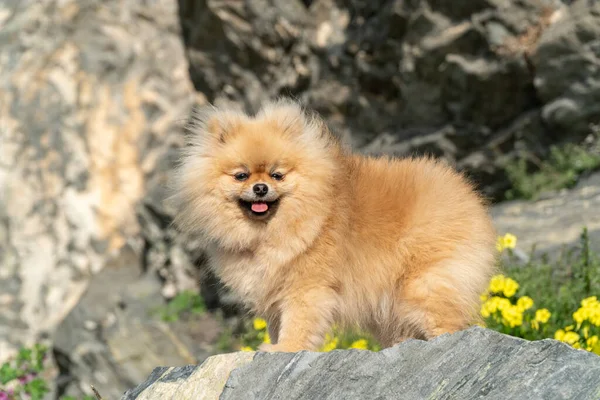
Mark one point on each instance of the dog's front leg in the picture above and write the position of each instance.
(304, 319)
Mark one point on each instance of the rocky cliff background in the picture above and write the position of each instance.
(479, 82)
(94, 95)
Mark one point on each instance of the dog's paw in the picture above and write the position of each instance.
(281, 347)
(268, 347)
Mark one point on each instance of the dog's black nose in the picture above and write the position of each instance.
(260, 189)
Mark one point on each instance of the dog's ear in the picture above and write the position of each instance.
(209, 123)
(296, 122)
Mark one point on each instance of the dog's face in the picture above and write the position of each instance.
(258, 198)
(242, 176)
(258, 171)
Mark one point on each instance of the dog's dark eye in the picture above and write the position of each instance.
(277, 176)
(241, 176)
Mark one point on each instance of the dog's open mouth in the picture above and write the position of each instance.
(259, 209)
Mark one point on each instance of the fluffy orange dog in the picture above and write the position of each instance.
(309, 234)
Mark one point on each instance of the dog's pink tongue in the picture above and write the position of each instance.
(259, 207)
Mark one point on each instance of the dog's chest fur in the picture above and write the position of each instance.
(249, 274)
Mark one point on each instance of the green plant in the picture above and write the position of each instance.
(226, 340)
(567, 290)
(256, 333)
(20, 376)
(184, 302)
(562, 169)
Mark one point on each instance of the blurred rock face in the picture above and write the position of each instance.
(90, 100)
(475, 81)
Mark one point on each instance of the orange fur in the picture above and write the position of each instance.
(401, 247)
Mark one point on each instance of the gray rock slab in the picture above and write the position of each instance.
(205, 381)
(555, 222)
(471, 364)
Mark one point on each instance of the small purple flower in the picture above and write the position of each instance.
(23, 380)
(3, 396)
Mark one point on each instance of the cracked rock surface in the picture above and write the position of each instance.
(475, 363)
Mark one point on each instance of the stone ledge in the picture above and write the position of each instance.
(474, 363)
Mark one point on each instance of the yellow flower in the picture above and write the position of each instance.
(585, 331)
(525, 303)
(510, 241)
(571, 337)
(360, 344)
(267, 338)
(497, 284)
(535, 325)
(502, 303)
(593, 344)
(542, 315)
(590, 310)
(510, 287)
(246, 348)
(580, 315)
(500, 244)
(595, 317)
(483, 297)
(502, 284)
(330, 343)
(512, 316)
(494, 304)
(259, 324)
(485, 312)
(590, 302)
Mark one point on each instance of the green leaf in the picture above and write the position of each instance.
(36, 388)
(186, 301)
(8, 373)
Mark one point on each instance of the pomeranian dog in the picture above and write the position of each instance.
(309, 234)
